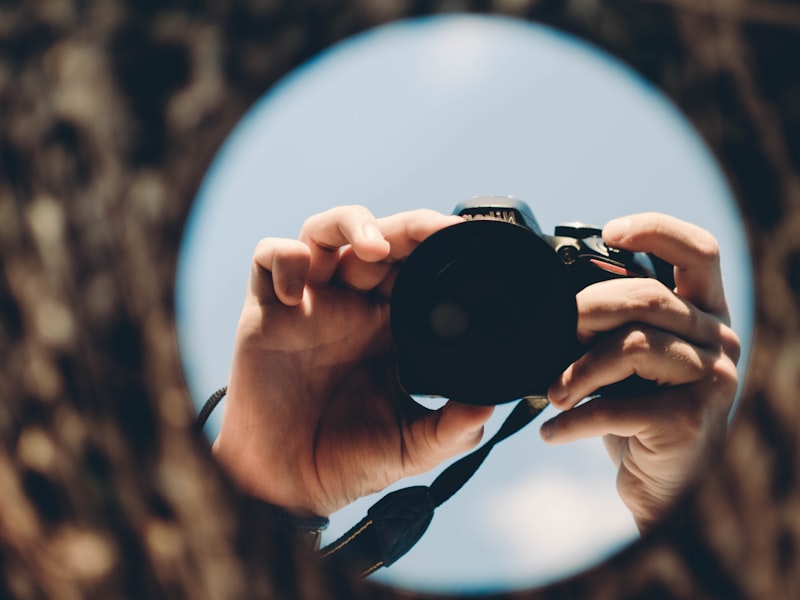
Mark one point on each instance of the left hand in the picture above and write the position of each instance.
(679, 338)
(315, 416)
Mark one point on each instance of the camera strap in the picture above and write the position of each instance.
(395, 523)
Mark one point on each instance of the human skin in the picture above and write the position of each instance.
(679, 338)
(317, 418)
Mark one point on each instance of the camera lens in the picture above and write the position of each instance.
(481, 314)
(449, 321)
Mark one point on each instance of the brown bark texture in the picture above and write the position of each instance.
(110, 112)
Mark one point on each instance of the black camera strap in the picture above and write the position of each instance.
(395, 523)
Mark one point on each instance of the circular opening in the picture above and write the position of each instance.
(427, 113)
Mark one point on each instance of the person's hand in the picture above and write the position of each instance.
(315, 416)
(681, 339)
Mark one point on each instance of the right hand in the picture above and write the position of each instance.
(680, 338)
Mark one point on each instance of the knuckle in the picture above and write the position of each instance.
(358, 212)
(309, 224)
(263, 247)
(724, 373)
(650, 295)
(339, 214)
(720, 383)
(577, 371)
(731, 344)
(637, 346)
(270, 251)
(347, 209)
(708, 249)
(635, 341)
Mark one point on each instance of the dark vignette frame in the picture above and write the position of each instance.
(111, 113)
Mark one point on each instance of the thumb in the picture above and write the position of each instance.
(449, 431)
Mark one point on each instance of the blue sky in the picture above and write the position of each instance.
(426, 114)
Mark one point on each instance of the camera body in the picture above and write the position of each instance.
(579, 246)
(484, 312)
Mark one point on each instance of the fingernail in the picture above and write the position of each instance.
(616, 229)
(371, 232)
(546, 430)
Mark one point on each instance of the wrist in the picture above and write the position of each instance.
(296, 520)
(289, 520)
(307, 529)
(263, 485)
(234, 459)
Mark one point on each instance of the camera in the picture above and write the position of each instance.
(484, 311)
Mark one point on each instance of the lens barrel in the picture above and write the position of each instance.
(482, 313)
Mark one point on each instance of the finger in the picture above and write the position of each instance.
(360, 275)
(651, 353)
(663, 419)
(327, 232)
(620, 417)
(387, 285)
(404, 231)
(460, 426)
(446, 432)
(609, 305)
(692, 250)
(279, 271)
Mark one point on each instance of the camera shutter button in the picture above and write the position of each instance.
(578, 230)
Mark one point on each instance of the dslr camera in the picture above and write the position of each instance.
(484, 311)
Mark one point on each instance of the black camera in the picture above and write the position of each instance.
(484, 312)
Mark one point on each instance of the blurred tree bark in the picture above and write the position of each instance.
(110, 112)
